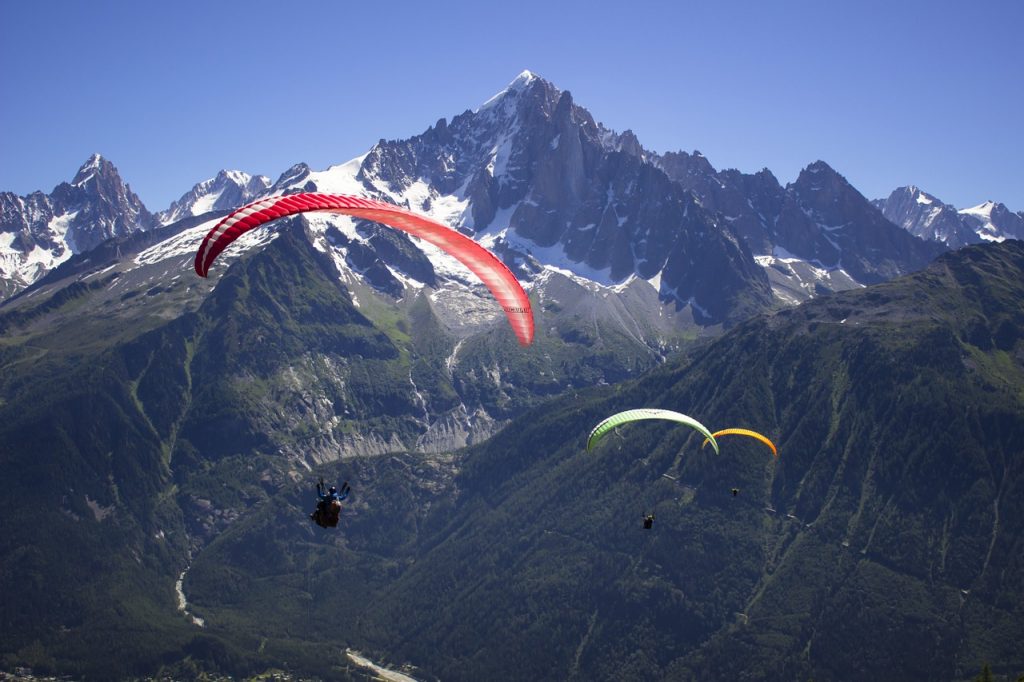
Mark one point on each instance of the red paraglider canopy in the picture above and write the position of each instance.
(484, 264)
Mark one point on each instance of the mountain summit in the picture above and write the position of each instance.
(816, 234)
(926, 216)
(43, 230)
(533, 176)
(226, 191)
(994, 221)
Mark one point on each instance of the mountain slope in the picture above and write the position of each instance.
(131, 450)
(898, 411)
(163, 407)
(885, 541)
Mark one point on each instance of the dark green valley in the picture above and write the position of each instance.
(885, 542)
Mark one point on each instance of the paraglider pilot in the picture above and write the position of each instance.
(328, 506)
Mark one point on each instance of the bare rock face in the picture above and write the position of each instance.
(535, 167)
(47, 229)
(927, 217)
(102, 204)
(820, 218)
(924, 216)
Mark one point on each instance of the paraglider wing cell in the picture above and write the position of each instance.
(605, 426)
(502, 284)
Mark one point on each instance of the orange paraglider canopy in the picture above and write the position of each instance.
(744, 432)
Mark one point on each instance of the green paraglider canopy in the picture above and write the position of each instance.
(628, 416)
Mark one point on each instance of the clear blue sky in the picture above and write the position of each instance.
(889, 93)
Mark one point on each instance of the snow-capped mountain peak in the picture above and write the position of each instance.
(926, 216)
(40, 231)
(97, 176)
(533, 177)
(921, 197)
(993, 221)
(982, 210)
(228, 189)
(519, 84)
(93, 165)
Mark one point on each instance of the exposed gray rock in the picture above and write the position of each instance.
(46, 229)
(561, 181)
(924, 216)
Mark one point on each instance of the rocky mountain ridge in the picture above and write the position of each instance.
(40, 231)
(226, 191)
(928, 217)
(532, 175)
